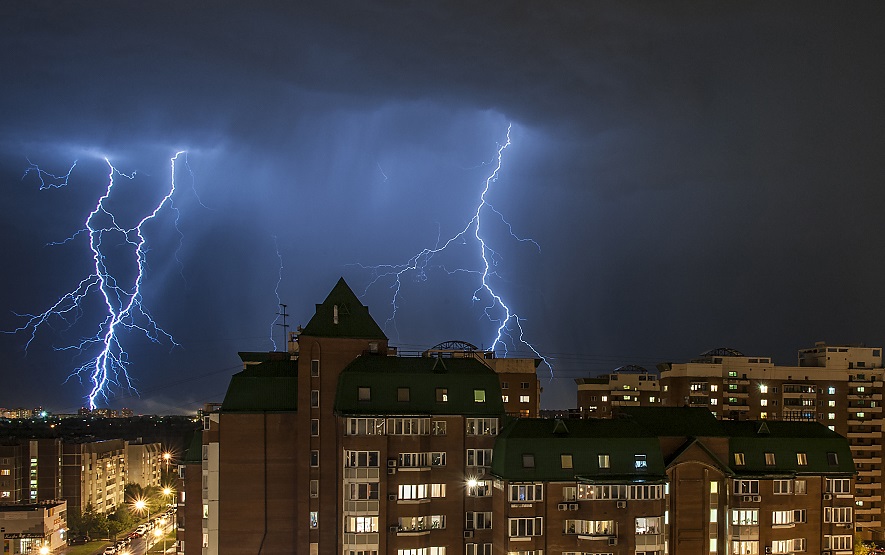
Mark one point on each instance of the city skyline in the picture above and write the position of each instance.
(694, 178)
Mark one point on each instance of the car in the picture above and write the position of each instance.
(110, 550)
(133, 535)
(142, 528)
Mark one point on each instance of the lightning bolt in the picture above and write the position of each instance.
(276, 291)
(508, 323)
(123, 306)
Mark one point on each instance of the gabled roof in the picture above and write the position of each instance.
(547, 440)
(266, 386)
(384, 376)
(353, 319)
(786, 440)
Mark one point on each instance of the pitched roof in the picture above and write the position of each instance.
(266, 386)
(545, 441)
(422, 376)
(194, 453)
(786, 441)
(675, 421)
(343, 315)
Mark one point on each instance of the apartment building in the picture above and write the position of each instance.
(94, 473)
(144, 464)
(838, 386)
(30, 471)
(670, 480)
(341, 446)
(627, 386)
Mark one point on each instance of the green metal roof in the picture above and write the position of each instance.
(385, 375)
(353, 317)
(194, 454)
(675, 421)
(785, 440)
(546, 440)
(266, 386)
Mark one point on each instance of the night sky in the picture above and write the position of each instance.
(696, 175)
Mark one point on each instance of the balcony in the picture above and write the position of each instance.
(362, 473)
(650, 542)
(361, 507)
(870, 434)
(869, 473)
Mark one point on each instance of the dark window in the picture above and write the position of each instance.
(442, 395)
(365, 394)
(528, 460)
(315, 368)
(402, 394)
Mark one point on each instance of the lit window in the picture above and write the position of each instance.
(801, 459)
(566, 461)
(442, 395)
(769, 459)
(505, 398)
(763, 402)
(640, 462)
(714, 401)
(479, 395)
(860, 415)
(831, 403)
(314, 519)
(763, 415)
(831, 390)
(831, 416)
(739, 459)
(604, 461)
(763, 389)
(714, 387)
(523, 398)
(604, 398)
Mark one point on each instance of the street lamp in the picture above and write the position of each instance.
(141, 506)
(160, 532)
(167, 456)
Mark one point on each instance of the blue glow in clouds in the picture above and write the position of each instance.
(118, 292)
(497, 310)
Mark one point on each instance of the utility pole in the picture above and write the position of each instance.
(284, 325)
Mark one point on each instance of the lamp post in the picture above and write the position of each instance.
(141, 506)
(167, 457)
(160, 532)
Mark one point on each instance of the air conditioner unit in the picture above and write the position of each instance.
(391, 471)
(622, 504)
(391, 497)
(613, 541)
(748, 498)
(394, 529)
(846, 525)
(468, 534)
(391, 463)
(481, 471)
(757, 498)
(562, 506)
(828, 496)
(573, 506)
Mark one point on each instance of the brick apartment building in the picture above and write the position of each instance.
(341, 446)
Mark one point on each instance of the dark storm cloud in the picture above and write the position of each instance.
(696, 174)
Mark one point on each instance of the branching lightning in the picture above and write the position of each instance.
(498, 311)
(123, 308)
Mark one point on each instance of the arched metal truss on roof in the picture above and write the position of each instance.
(454, 345)
(723, 352)
(631, 368)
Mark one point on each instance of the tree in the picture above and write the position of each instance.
(860, 548)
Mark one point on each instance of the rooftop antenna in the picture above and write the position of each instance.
(284, 325)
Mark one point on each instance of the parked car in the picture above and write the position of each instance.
(110, 550)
